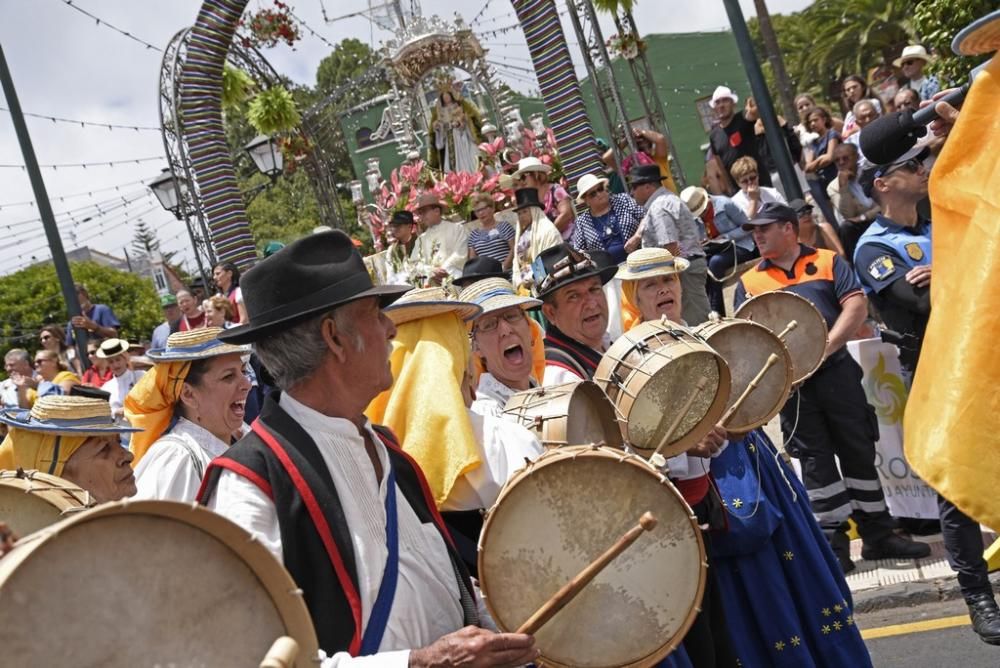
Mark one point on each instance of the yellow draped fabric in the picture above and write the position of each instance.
(150, 404)
(36, 450)
(537, 353)
(952, 418)
(424, 406)
(630, 309)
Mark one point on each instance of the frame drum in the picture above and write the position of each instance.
(32, 500)
(806, 343)
(745, 346)
(144, 583)
(650, 375)
(568, 414)
(560, 513)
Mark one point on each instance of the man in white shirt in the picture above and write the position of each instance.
(115, 351)
(333, 496)
(441, 246)
(17, 362)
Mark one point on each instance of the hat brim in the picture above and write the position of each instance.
(675, 266)
(979, 37)
(506, 301)
(898, 63)
(249, 333)
(760, 222)
(528, 206)
(606, 274)
(20, 418)
(701, 207)
(734, 97)
(404, 313)
(160, 355)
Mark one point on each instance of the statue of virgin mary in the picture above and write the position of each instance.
(454, 134)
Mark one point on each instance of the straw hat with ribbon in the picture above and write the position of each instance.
(427, 302)
(151, 403)
(45, 437)
(644, 263)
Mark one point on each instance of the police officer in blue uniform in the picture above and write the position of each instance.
(893, 263)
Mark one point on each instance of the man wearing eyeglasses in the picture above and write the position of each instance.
(893, 262)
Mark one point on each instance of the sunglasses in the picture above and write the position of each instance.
(907, 62)
(594, 192)
(912, 165)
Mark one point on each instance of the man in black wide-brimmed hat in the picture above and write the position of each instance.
(333, 496)
(669, 224)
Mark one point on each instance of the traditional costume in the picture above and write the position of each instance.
(377, 567)
(566, 359)
(172, 455)
(467, 468)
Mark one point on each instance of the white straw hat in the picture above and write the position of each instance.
(650, 262)
(695, 198)
(530, 164)
(427, 302)
(914, 51)
(587, 183)
(722, 92)
(495, 294)
(195, 344)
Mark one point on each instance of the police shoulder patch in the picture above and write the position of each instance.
(881, 268)
(915, 252)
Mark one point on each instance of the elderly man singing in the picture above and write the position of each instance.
(334, 497)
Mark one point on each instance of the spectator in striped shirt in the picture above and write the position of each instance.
(495, 239)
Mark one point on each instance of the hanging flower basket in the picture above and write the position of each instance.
(273, 111)
(268, 27)
(626, 46)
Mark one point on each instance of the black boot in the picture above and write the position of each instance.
(895, 547)
(841, 546)
(985, 617)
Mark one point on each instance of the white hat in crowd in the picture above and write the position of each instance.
(721, 93)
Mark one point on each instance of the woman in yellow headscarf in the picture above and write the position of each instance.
(71, 437)
(191, 405)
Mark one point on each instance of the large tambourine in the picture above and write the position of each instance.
(668, 386)
(796, 322)
(747, 346)
(32, 500)
(560, 513)
(147, 583)
(569, 414)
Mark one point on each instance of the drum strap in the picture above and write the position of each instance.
(379, 619)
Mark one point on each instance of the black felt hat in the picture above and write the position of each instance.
(402, 218)
(526, 197)
(561, 265)
(306, 278)
(644, 174)
(478, 268)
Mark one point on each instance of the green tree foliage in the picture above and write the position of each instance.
(350, 59)
(833, 38)
(937, 22)
(145, 241)
(31, 298)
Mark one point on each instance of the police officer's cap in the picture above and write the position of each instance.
(772, 212)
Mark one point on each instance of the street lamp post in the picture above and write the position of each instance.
(266, 156)
(173, 194)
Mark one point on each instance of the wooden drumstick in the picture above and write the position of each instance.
(699, 388)
(282, 654)
(788, 328)
(772, 359)
(570, 590)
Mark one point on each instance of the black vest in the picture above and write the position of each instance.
(280, 458)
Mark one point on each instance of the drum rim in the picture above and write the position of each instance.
(572, 452)
(722, 323)
(59, 492)
(285, 594)
(819, 316)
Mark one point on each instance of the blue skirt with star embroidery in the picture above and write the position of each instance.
(786, 600)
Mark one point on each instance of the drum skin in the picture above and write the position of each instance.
(746, 346)
(147, 583)
(569, 414)
(650, 373)
(806, 343)
(558, 515)
(32, 500)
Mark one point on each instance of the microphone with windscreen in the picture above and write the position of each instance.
(885, 139)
